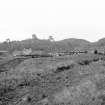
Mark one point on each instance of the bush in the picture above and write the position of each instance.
(95, 51)
(84, 62)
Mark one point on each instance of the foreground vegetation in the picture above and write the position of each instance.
(67, 80)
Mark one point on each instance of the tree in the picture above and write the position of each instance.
(8, 43)
(51, 38)
(8, 40)
(34, 36)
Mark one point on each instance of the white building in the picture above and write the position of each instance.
(27, 51)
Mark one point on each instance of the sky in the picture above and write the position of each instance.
(83, 19)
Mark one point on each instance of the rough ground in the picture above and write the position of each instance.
(67, 80)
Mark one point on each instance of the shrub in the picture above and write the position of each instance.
(95, 51)
(84, 62)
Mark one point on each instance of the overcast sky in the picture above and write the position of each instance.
(85, 19)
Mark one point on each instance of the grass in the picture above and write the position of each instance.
(68, 80)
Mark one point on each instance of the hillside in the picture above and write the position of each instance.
(37, 44)
(77, 79)
(47, 45)
(72, 80)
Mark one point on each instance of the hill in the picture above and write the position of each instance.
(47, 45)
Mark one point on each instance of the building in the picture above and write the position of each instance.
(22, 52)
(27, 51)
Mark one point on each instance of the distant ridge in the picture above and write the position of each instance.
(47, 45)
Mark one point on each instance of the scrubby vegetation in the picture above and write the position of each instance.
(65, 80)
(75, 79)
(50, 45)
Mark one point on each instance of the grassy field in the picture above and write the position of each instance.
(67, 80)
